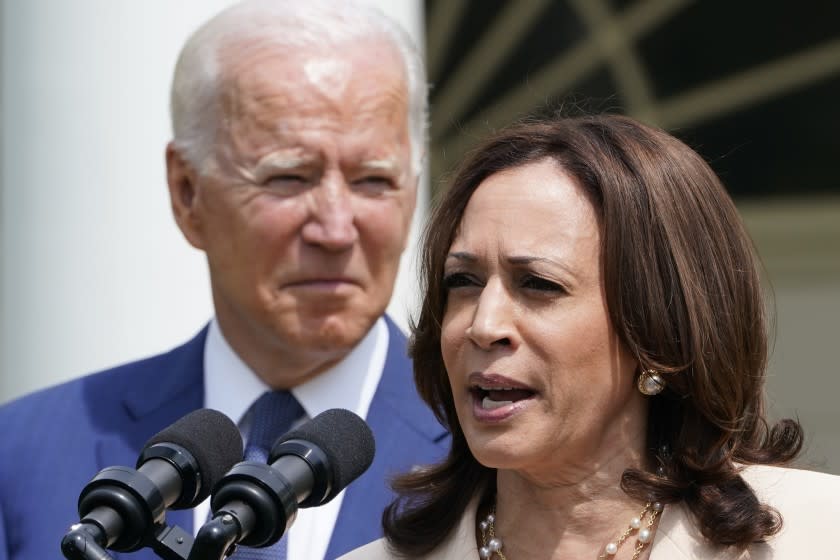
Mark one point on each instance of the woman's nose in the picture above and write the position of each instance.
(492, 321)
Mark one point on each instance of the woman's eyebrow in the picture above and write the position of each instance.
(462, 256)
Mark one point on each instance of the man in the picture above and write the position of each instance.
(298, 136)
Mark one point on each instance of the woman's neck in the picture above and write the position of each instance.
(571, 513)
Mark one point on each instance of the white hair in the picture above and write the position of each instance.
(195, 96)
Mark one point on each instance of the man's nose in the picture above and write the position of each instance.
(331, 222)
(492, 323)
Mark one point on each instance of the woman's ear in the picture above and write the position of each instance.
(182, 179)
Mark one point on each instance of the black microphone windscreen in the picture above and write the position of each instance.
(344, 438)
(211, 438)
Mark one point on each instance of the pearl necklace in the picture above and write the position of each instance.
(492, 545)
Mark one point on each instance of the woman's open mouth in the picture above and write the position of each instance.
(496, 397)
(490, 397)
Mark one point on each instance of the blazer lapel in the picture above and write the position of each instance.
(677, 538)
(396, 404)
(406, 433)
(162, 390)
(672, 538)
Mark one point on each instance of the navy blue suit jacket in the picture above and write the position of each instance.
(54, 441)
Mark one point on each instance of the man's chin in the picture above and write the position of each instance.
(334, 335)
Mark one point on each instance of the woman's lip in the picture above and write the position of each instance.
(500, 414)
(495, 381)
(482, 385)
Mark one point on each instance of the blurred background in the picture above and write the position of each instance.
(93, 271)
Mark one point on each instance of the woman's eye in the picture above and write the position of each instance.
(457, 280)
(537, 283)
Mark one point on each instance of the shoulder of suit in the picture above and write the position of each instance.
(809, 505)
(376, 550)
(124, 373)
(784, 484)
(64, 401)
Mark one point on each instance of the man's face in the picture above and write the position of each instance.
(306, 211)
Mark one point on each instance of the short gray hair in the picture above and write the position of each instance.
(194, 102)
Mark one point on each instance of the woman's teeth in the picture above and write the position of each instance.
(489, 404)
(496, 397)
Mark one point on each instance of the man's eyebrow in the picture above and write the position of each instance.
(387, 164)
(282, 160)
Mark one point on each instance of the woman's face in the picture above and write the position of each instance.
(539, 376)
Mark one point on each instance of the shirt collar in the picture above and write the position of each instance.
(230, 386)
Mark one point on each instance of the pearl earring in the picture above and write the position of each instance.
(650, 382)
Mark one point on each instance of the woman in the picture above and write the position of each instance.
(593, 335)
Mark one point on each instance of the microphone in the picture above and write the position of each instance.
(255, 503)
(336, 445)
(121, 508)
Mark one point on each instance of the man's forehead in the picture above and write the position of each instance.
(379, 144)
(329, 74)
(329, 84)
(312, 64)
(317, 102)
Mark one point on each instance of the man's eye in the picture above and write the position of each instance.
(532, 282)
(374, 182)
(285, 179)
(287, 184)
(457, 280)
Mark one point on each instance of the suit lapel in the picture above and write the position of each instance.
(678, 539)
(160, 391)
(406, 432)
(396, 405)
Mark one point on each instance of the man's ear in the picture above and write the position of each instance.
(182, 179)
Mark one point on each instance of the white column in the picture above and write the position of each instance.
(405, 301)
(94, 270)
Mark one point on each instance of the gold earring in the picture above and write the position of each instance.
(650, 382)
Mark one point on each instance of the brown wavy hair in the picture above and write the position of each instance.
(683, 293)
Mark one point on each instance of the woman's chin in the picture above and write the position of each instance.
(498, 449)
(496, 456)
(499, 433)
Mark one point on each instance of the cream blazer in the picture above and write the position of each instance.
(808, 501)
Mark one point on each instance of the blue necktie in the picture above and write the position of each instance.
(272, 415)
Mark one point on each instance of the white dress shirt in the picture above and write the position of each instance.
(231, 387)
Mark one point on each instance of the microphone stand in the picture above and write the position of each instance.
(84, 542)
(171, 543)
(216, 539)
